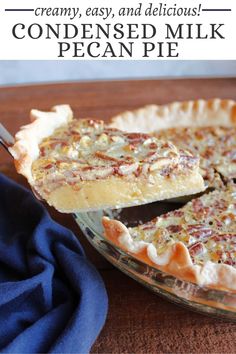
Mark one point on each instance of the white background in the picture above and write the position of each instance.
(189, 49)
(21, 71)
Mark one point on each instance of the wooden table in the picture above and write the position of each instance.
(138, 321)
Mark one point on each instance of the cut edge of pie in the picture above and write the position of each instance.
(117, 193)
(188, 113)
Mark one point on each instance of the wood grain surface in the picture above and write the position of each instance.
(138, 321)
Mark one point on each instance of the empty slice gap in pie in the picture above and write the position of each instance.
(196, 243)
(80, 165)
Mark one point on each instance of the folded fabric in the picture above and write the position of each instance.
(51, 298)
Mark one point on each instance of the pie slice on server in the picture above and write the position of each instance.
(80, 165)
(205, 128)
(196, 243)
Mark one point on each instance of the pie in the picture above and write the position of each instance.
(216, 146)
(80, 165)
(195, 243)
(205, 128)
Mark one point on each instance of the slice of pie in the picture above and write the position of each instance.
(196, 243)
(205, 128)
(80, 165)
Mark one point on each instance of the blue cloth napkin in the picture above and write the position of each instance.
(51, 298)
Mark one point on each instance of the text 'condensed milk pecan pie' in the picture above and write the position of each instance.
(81, 165)
(196, 243)
(205, 128)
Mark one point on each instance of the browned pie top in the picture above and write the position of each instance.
(205, 225)
(85, 150)
(216, 147)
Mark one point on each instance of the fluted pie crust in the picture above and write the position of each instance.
(195, 243)
(197, 113)
(81, 165)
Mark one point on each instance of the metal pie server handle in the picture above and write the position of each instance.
(6, 139)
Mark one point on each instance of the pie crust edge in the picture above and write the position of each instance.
(188, 113)
(176, 260)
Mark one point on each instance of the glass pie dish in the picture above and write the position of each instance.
(209, 301)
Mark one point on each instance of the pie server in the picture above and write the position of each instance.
(6, 139)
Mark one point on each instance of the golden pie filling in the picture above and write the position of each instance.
(215, 145)
(206, 226)
(84, 151)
